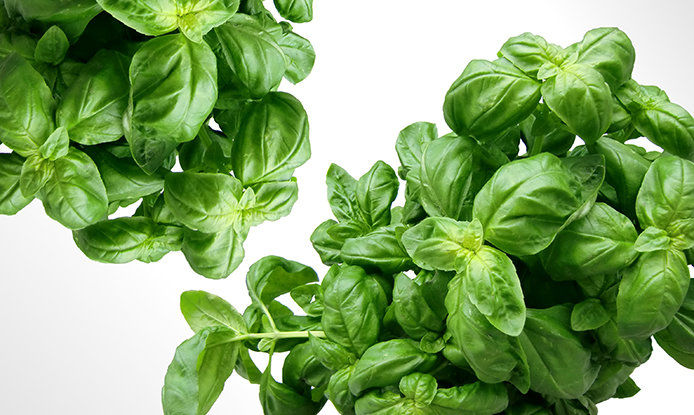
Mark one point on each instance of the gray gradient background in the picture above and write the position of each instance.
(81, 337)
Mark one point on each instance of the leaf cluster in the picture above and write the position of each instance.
(168, 105)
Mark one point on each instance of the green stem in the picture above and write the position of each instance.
(278, 335)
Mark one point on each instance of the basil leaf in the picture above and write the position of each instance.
(26, 106)
(12, 200)
(214, 255)
(169, 102)
(123, 240)
(92, 107)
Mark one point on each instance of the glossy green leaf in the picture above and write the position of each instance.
(214, 255)
(193, 17)
(92, 108)
(124, 240)
(273, 276)
(249, 56)
(197, 373)
(489, 97)
(494, 288)
(529, 52)
(208, 202)
(588, 315)
(677, 339)
(527, 203)
(278, 398)
(354, 307)
(272, 140)
(168, 102)
(75, 196)
(411, 143)
(376, 191)
(52, 46)
(560, 364)
(299, 53)
(651, 292)
(386, 363)
(202, 309)
(452, 172)
(380, 249)
(12, 200)
(666, 199)
(609, 51)
(36, 172)
(342, 194)
(442, 243)
(298, 11)
(601, 242)
(26, 106)
(578, 95)
(412, 309)
(71, 15)
(123, 178)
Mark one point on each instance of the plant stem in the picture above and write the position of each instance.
(277, 335)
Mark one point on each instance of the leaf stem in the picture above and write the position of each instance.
(278, 335)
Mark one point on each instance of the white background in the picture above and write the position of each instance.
(81, 337)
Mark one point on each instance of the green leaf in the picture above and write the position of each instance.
(12, 200)
(601, 242)
(588, 315)
(412, 310)
(380, 249)
(52, 46)
(494, 288)
(559, 360)
(651, 292)
(625, 170)
(273, 276)
(376, 191)
(342, 194)
(36, 172)
(75, 196)
(171, 101)
(527, 203)
(251, 62)
(473, 398)
(26, 106)
(529, 52)
(452, 172)
(214, 255)
(272, 201)
(299, 53)
(202, 309)
(677, 339)
(123, 178)
(666, 199)
(492, 355)
(354, 307)
(71, 15)
(609, 51)
(330, 354)
(442, 243)
(652, 239)
(92, 108)
(578, 95)
(123, 240)
(666, 124)
(272, 140)
(411, 143)
(208, 202)
(385, 363)
(419, 387)
(198, 371)
(56, 145)
(612, 375)
(193, 17)
(297, 11)
(489, 97)
(326, 244)
(278, 398)
(338, 391)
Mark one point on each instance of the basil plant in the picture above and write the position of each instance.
(509, 282)
(110, 103)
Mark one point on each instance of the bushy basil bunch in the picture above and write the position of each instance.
(99, 100)
(507, 283)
